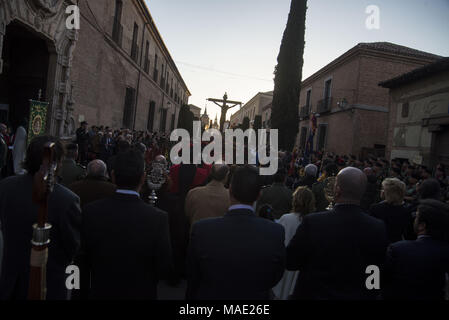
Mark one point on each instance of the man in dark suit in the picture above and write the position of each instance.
(238, 256)
(18, 213)
(333, 249)
(82, 139)
(126, 242)
(278, 196)
(416, 270)
(95, 186)
(70, 171)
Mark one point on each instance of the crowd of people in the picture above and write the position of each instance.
(310, 231)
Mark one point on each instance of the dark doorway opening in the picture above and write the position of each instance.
(25, 68)
(440, 147)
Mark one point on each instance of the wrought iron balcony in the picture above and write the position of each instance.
(304, 111)
(324, 105)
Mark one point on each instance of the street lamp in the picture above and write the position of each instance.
(342, 104)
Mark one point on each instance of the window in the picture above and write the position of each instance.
(303, 137)
(128, 110)
(146, 65)
(134, 47)
(327, 89)
(163, 120)
(405, 109)
(151, 113)
(117, 30)
(162, 84)
(308, 96)
(322, 134)
(173, 122)
(155, 73)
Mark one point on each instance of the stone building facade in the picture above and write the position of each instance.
(352, 110)
(419, 115)
(37, 55)
(114, 71)
(196, 111)
(252, 108)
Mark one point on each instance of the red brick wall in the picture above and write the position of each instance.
(377, 69)
(357, 81)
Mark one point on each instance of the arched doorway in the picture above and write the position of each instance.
(25, 58)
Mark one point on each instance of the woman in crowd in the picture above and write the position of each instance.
(303, 203)
(393, 211)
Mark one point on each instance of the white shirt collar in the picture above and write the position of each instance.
(241, 206)
(130, 192)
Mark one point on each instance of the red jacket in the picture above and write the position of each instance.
(200, 177)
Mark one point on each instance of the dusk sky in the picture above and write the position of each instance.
(233, 45)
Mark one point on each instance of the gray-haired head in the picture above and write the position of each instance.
(96, 168)
(311, 170)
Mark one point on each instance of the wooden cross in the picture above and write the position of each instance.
(223, 104)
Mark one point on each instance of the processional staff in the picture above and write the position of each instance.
(43, 183)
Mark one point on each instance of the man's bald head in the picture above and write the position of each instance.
(350, 185)
(219, 172)
(96, 168)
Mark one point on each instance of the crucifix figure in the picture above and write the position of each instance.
(223, 104)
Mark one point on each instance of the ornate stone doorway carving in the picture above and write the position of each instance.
(46, 19)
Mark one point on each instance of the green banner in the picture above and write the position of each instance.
(38, 119)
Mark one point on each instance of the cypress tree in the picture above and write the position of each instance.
(288, 75)
(185, 119)
(257, 122)
(245, 124)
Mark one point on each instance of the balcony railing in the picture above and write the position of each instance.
(304, 111)
(324, 105)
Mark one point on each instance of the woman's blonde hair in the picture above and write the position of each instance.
(394, 190)
(303, 201)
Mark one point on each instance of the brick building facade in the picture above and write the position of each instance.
(352, 110)
(114, 71)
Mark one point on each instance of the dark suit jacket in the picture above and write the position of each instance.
(92, 189)
(279, 197)
(3, 152)
(18, 213)
(238, 256)
(332, 250)
(415, 270)
(127, 247)
(396, 219)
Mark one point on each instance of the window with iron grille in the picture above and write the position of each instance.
(322, 134)
(405, 110)
(309, 93)
(173, 122)
(151, 114)
(155, 72)
(128, 110)
(146, 66)
(134, 47)
(163, 124)
(117, 29)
